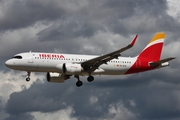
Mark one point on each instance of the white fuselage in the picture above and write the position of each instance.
(50, 62)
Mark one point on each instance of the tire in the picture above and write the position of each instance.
(90, 78)
(28, 79)
(79, 83)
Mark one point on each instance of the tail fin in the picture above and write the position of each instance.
(153, 50)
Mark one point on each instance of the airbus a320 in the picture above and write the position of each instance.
(60, 67)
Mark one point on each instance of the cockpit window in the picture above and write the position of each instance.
(18, 57)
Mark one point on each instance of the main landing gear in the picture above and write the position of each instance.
(79, 83)
(90, 78)
(28, 78)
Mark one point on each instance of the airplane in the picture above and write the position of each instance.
(59, 67)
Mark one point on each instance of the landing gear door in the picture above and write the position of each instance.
(30, 57)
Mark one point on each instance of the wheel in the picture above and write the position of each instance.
(27, 79)
(79, 83)
(90, 78)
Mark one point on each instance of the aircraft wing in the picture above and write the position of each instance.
(93, 64)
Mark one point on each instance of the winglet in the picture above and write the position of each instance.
(133, 41)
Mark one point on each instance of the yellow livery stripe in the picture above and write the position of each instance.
(158, 36)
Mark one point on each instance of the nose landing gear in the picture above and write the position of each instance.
(28, 78)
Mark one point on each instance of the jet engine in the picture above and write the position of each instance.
(56, 77)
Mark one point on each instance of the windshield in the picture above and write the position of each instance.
(18, 57)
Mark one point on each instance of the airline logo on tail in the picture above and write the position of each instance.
(153, 50)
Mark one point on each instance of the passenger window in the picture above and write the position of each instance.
(18, 57)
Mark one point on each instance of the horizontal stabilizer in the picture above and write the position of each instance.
(152, 64)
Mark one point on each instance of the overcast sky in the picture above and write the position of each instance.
(89, 27)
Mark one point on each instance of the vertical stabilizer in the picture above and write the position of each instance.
(154, 48)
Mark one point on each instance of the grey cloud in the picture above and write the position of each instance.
(67, 30)
(49, 97)
(93, 16)
(31, 102)
(117, 16)
(153, 99)
(71, 25)
(20, 14)
(21, 117)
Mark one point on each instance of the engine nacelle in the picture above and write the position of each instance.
(69, 68)
(56, 77)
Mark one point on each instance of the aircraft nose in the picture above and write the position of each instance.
(8, 63)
